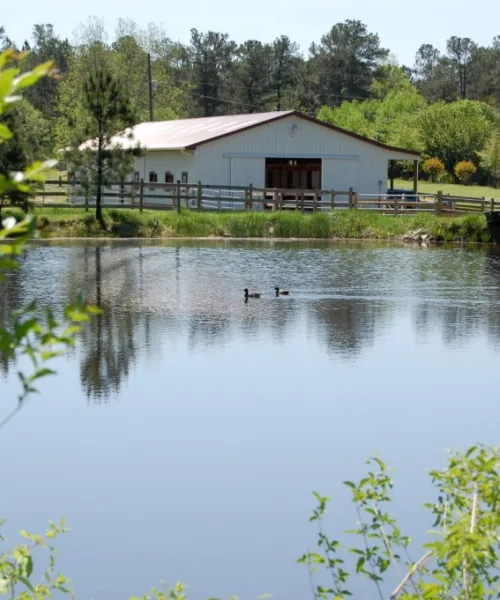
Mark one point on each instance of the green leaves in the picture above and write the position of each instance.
(465, 553)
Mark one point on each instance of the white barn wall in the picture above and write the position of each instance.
(239, 159)
(161, 161)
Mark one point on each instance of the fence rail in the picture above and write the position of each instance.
(197, 196)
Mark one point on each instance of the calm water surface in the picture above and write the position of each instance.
(183, 437)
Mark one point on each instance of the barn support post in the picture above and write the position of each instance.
(200, 195)
(439, 202)
(415, 177)
(141, 195)
(391, 173)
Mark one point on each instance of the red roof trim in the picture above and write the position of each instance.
(305, 117)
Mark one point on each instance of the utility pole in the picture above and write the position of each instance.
(150, 84)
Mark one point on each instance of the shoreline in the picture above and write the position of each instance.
(332, 240)
(334, 227)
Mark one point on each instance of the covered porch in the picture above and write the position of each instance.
(393, 172)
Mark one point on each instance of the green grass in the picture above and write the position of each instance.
(353, 224)
(470, 191)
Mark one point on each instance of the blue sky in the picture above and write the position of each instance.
(401, 24)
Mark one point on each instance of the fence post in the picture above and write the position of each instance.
(332, 199)
(439, 202)
(250, 196)
(316, 201)
(178, 196)
(483, 200)
(200, 195)
(43, 192)
(351, 198)
(141, 195)
(492, 205)
(275, 199)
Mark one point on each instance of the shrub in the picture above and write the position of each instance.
(434, 167)
(464, 170)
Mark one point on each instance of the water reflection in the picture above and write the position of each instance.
(157, 299)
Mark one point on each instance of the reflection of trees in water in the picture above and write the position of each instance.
(156, 299)
(466, 301)
(112, 341)
(347, 326)
(10, 299)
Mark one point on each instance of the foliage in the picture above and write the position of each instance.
(490, 158)
(345, 61)
(464, 170)
(455, 132)
(17, 565)
(459, 562)
(434, 167)
(25, 334)
(390, 119)
(104, 157)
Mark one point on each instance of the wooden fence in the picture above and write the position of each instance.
(197, 196)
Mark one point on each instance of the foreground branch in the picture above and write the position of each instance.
(420, 563)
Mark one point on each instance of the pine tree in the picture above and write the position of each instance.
(108, 156)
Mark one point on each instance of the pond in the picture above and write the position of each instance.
(183, 437)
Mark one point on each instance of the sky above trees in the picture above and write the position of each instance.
(401, 26)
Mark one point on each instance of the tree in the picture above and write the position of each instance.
(389, 78)
(434, 75)
(353, 116)
(5, 41)
(211, 57)
(252, 75)
(490, 158)
(104, 159)
(346, 60)
(464, 170)
(460, 561)
(47, 46)
(460, 53)
(284, 76)
(29, 139)
(455, 132)
(434, 167)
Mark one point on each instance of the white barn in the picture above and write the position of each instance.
(284, 149)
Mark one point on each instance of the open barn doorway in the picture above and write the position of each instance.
(293, 173)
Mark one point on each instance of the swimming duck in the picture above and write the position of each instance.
(252, 295)
(281, 292)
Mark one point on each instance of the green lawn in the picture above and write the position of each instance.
(471, 191)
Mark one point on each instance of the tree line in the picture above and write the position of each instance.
(445, 104)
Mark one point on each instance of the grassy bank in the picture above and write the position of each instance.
(356, 224)
(468, 191)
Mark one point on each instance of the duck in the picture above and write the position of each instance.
(281, 292)
(252, 295)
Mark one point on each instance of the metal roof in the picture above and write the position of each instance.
(187, 134)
